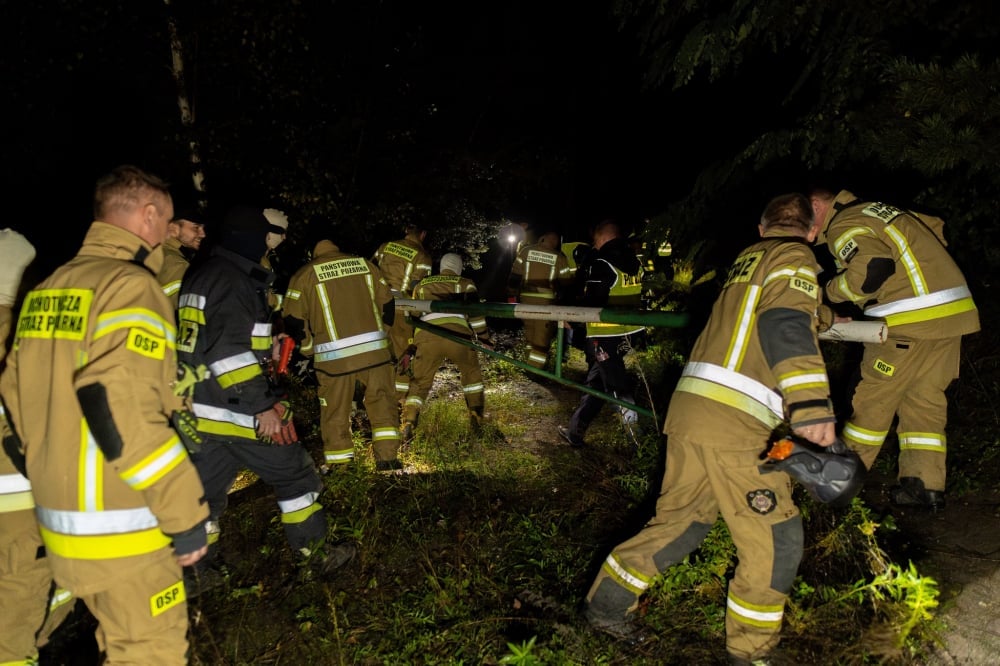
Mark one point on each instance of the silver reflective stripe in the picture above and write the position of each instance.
(90, 523)
(920, 302)
(243, 360)
(219, 414)
(353, 351)
(762, 616)
(155, 466)
(261, 330)
(349, 342)
(742, 333)
(192, 301)
(472, 388)
(913, 271)
(13, 483)
(298, 503)
(624, 575)
(734, 380)
(431, 316)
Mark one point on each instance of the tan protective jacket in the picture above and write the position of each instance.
(340, 297)
(100, 331)
(175, 264)
(542, 271)
(403, 263)
(897, 268)
(757, 361)
(447, 286)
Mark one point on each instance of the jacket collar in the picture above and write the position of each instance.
(325, 248)
(251, 269)
(108, 240)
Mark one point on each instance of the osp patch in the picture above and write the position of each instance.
(762, 501)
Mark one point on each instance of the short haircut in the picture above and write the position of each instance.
(609, 227)
(123, 189)
(414, 228)
(788, 211)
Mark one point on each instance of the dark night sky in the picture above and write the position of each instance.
(92, 90)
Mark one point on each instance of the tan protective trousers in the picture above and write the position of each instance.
(335, 396)
(432, 350)
(29, 612)
(702, 480)
(143, 616)
(400, 337)
(908, 378)
(538, 335)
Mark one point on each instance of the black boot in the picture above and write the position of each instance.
(911, 492)
(608, 612)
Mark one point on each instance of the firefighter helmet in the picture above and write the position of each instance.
(831, 475)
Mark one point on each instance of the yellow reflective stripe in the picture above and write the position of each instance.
(90, 474)
(741, 334)
(370, 281)
(843, 288)
(913, 271)
(10, 502)
(324, 302)
(238, 376)
(191, 314)
(928, 314)
(863, 436)
(844, 238)
(301, 515)
(802, 379)
(626, 576)
(730, 397)
(156, 465)
(473, 388)
(114, 320)
(781, 273)
(172, 288)
(339, 455)
(922, 441)
(59, 598)
(225, 429)
(260, 343)
(384, 433)
(402, 386)
(293, 294)
(105, 546)
(755, 615)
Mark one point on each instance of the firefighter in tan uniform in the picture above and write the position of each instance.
(538, 273)
(895, 266)
(432, 350)
(29, 608)
(756, 364)
(403, 263)
(184, 235)
(337, 307)
(88, 392)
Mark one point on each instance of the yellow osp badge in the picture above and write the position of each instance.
(142, 342)
(163, 601)
(886, 369)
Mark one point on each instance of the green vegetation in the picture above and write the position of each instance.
(483, 552)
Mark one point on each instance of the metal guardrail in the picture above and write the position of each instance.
(558, 313)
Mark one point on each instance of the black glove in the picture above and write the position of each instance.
(186, 425)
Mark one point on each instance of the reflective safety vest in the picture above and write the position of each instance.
(403, 263)
(626, 291)
(541, 271)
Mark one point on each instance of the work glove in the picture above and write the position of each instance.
(187, 377)
(186, 426)
(287, 434)
(403, 366)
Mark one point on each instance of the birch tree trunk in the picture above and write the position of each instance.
(184, 103)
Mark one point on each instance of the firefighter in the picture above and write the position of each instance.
(614, 278)
(244, 420)
(432, 350)
(276, 234)
(895, 265)
(539, 272)
(184, 235)
(27, 601)
(403, 263)
(337, 308)
(88, 392)
(756, 360)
